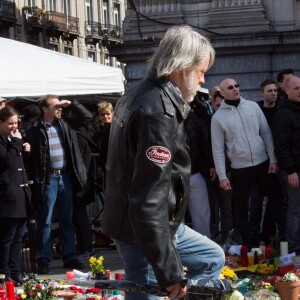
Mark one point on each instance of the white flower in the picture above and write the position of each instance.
(236, 295)
(289, 277)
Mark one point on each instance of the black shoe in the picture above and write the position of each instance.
(74, 264)
(18, 278)
(43, 268)
(16, 283)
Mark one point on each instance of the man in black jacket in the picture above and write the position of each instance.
(286, 133)
(56, 169)
(148, 170)
(199, 147)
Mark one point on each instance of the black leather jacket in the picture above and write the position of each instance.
(39, 158)
(148, 170)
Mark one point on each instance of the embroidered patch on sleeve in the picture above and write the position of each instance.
(158, 154)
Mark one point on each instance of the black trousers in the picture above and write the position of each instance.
(11, 234)
(83, 231)
(242, 181)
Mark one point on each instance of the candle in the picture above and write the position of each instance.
(284, 248)
(70, 276)
(10, 290)
(118, 276)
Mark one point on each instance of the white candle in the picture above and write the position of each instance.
(284, 248)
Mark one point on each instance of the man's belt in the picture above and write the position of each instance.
(56, 172)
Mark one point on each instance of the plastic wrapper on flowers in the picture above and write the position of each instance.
(216, 287)
(123, 285)
(200, 286)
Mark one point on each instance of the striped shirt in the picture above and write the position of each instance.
(57, 153)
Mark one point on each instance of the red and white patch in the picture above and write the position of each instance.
(158, 154)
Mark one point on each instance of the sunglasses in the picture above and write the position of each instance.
(231, 87)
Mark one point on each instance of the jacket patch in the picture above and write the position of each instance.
(158, 154)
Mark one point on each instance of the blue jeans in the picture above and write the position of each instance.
(292, 230)
(202, 257)
(59, 189)
(11, 234)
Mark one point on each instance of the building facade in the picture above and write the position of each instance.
(83, 28)
(254, 39)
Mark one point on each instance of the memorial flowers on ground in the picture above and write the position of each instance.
(96, 264)
(33, 290)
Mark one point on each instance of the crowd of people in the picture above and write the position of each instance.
(56, 154)
(161, 151)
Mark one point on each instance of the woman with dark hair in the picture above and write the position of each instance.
(14, 195)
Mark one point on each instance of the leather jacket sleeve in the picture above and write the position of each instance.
(153, 200)
(147, 174)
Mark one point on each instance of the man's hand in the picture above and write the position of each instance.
(213, 173)
(273, 168)
(64, 103)
(225, 185)
(176, 291)
(293, 180)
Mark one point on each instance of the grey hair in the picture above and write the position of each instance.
(181, 48)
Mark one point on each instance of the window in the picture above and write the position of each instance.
(89, 10)
(53, 47)
(68, 50)
(117, 16)
(66, 9)
(105, 13)
(106, 58)
(91, 55)
(51, 5)
(30, 2)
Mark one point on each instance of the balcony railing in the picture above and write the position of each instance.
(106, 31)
(7, 10)
(52, 19)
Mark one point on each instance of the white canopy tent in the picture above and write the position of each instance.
(31, 71)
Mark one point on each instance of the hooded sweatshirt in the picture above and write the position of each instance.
(243, 132)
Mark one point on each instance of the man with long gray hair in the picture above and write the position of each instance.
(148, 171)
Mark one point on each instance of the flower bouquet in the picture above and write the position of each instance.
(33, 290)
(97, 267)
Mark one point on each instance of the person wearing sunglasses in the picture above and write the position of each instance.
(240, 129)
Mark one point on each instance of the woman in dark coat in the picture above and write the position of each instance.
(14, 195)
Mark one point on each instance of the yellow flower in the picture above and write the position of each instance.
(38, 294)
(96, 264)
(93, 260)
(23, 296)
(227, 272)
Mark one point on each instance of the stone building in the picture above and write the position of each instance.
(83, 28)
(254, 39)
